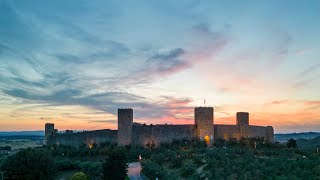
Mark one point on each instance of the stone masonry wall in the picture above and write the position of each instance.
(129, 133)
(88, 137)
(125, 121)
(204, 122)
(48, 131)
(243, 124)
(226, 132)
(156, 134)
(270, 134)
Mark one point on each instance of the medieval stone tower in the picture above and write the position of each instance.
(204, 123)
(49, 131)
(243, 123)
(125, 121)
(270, 134)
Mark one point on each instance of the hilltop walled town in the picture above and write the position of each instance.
(152, 135)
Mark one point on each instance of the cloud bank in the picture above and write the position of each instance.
(158, 58)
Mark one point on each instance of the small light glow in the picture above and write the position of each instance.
(207, 140)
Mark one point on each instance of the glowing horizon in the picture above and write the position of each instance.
(75, 63)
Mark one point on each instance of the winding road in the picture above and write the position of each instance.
(134, 171)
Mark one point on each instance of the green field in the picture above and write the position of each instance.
(19, 143)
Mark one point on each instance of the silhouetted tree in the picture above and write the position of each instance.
(115, 167)
(93, 170)
(29, 164)
(153, 170)
(7, 148)
(292, 143)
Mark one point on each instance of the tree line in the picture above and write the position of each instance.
(245, 159)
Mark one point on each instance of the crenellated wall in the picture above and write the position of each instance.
(257, 131)
(262, 132)
(226, 132)
(88, 137)
(229, 132)
(156, 134)
(153, 135)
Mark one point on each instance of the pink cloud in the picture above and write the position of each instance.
(175, 111)
(280, 102)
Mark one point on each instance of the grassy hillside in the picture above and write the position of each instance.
(22, 133)
(304, 135)
(309, 143)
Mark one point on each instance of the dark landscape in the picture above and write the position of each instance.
(159, 90)
(178, 160)
(291, 156)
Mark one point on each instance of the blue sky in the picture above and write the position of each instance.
(75, 62)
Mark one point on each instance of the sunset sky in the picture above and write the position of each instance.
(75, 62)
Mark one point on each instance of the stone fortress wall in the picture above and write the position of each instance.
(48, 131)
(204, 117)
(88, 138)
(152, 135)
(243, 130)
(125, 121)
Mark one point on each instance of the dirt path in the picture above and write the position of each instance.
(134, 171)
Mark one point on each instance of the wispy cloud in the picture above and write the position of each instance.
(155, 57)
(312, 69)
(307, 77)
(104, 121)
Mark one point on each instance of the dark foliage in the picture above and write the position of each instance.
(115, 167)
(79, 176)
(30, 164)
(6, 148)
(188, 170)
(246, 159)
(292, 143)
(153, 170)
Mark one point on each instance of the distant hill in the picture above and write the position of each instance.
(22, 133)
(278, 137)
(309, 143)
(303, 135)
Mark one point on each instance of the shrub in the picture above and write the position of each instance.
(188, 170)
(79, 176)
(93, 170)
(153, 170)
(29, 164)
